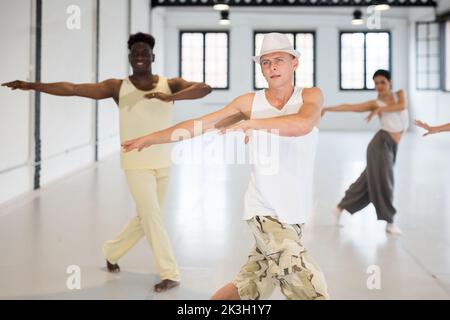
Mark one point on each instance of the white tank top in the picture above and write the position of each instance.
(281, 182)
(139, 116)
(393, 121)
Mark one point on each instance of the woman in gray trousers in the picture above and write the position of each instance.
(376, 183)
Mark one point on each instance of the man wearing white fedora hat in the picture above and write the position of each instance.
(276, 204)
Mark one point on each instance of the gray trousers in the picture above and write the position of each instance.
(376, 183)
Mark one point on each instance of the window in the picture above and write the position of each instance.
(427, 56)
(446, 53)
(361, 54)
(304, 42)
(204, 57)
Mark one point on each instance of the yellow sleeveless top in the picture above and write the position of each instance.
(140, 116)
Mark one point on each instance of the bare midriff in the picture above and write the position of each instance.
(396, 136)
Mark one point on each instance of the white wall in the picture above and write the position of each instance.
(113, 63)
(157, 25)
(443, 6)
(140, 16)
(326, 22)
(16, 119)
(67, 123)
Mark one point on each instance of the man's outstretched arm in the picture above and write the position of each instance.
(356, 107)
(292, 125)
(182, 90)
(188, 129)
(102, 90)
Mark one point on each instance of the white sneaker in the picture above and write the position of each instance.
(393, 229)
(338, 216)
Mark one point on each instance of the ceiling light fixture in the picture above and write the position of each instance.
(357, 18)
(221, 5)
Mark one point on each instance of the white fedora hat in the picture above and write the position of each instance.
(276, 42)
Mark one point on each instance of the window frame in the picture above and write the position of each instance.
(313, 32)
(444, 35)
(441, 85)
(204, 32)
(443, 55)
(341, 32)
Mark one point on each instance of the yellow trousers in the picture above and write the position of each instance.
(148, 188)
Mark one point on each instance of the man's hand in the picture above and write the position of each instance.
(244, 126)
(160, 95)
(17, 84)
(324, 109)
(424, 125)
(374, 113)
(138, 143)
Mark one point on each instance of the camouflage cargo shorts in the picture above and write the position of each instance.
(279, 259)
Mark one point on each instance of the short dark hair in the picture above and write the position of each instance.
(141, 37)
(383, 73)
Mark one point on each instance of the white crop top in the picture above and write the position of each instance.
(394, 122)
